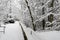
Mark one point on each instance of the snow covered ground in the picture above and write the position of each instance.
(31, 35)
(14, 32)
(51, 35)
(48, 35)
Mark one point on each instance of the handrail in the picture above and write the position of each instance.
(24, 34)
(32, 32)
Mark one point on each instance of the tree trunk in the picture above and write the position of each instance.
(43, 21)
(50, 17)
(30, 15)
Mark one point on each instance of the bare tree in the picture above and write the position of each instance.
(43, 21)
(50, 17)
(30, 15)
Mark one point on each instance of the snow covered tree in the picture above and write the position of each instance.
(43, 21)
(50, 17)
(30, 15)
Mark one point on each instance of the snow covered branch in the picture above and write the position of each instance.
(43, 17)
(46, 3)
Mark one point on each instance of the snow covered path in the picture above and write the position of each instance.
(12, 32)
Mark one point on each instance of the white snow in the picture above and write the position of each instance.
(14, 32)
(51, 35)
(31, 35)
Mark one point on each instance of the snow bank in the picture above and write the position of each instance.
(51, 35)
